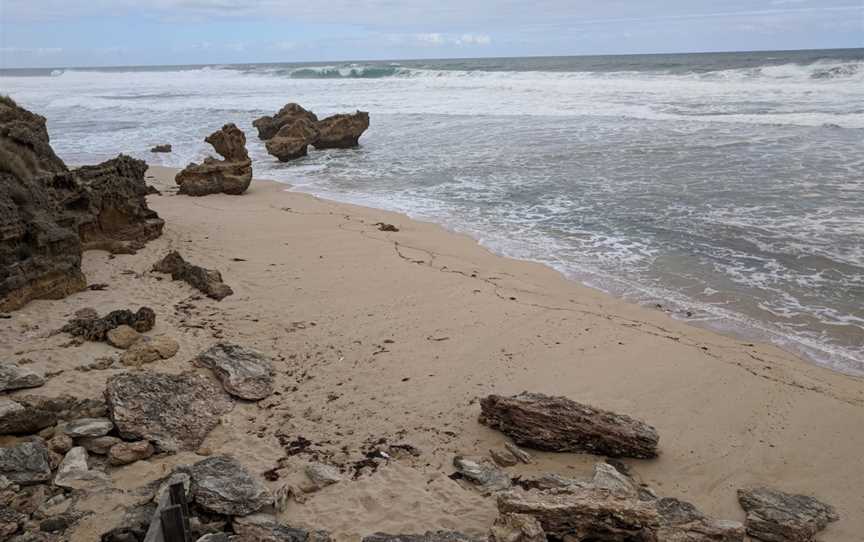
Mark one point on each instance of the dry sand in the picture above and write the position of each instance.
(395, 335)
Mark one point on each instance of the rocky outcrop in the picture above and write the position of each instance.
(229, 176)
(118, 219)
(175, 412)
(244, 373)
(49, 214)
(15, 377)
(293, 139)
(208, 281)
(559, 424)
(26, 463)
(268, 126)
(220, 484)
(88, 325)
(161, 148)
(775, 516)
(341, 131)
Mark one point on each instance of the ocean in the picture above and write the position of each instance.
(726, 187)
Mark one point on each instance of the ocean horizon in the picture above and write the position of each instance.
(727, 188)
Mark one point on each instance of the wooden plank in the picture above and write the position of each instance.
(154, 532)
(178, 497)
(172, 524)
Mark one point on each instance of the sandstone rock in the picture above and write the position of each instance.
(264, 528)
(150, 349)
(341, 131)
(98, 445)
(161, 148)
(118, 219)
(175, 412)
(483, 474)
(25, 463)
(17, 418)
(96, 329)
(561, 425)
(292, 140)
(222, 485)
(503, 458)
(775, 516)
(40, 251)
(268, 126)
(428, 536)
(229, 176)
(88, 427)
(74, 473)
(208, 281)
(124, 453)
(122, 337)
(322, 475)
(516, 528)
(518, 453)
(244, 372)
(13, 377)
(60, 443)
(682, 522)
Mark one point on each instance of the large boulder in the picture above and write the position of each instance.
(26, 463)
(175, 412)
(293, 139)
(220, 484)
(244, 373)
(341, 131)
(559, 424)
(229, 176)
(775, 516)
(207, 281)
(269, 126)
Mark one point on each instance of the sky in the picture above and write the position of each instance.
(69, 33)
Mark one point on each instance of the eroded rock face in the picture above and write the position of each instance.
(222, 485)
(244, 372)
(293, 139)
(175, 412)
(268, 126)
(119, 219)
(229, 176)
(208, 281)
(341, 131)
(775, 516)
(561, 425)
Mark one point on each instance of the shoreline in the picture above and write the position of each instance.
(395, 336)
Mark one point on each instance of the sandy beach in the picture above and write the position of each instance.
(396, 335)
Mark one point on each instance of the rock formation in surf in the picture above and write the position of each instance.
(229, 176)
(51, 214)
(289, 132)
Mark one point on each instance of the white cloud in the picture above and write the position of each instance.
(438, 39)
(36, 51)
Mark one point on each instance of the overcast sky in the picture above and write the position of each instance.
(59, 33)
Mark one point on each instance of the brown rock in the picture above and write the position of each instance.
(97, 445)
(229, 176)
(129, 452)
(517, 528)
(293, 139)
(268, 126)
(208, 281)
(503, 458)
(122, 337)
(148, 350)
(561, 425)
(341, 131)
(60, 443)
(775, 516)
(96, 329)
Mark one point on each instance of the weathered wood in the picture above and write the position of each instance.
(178, 497)
(173, 528)
(154, 532)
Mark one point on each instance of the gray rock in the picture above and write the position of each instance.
(775, 516)
(14, 377)
(175, 412)
(25, 463)
(88, 427)
(244, 372)
(503, 458)
(484, 474)
(222, 485)
(207, 281)
(680, 521)
(10, 522)
(74, 473)
(428, 536)
(322, 475)
(17, 418)
(265, 528)
(559, 424)
(98, 445)
(516, 528)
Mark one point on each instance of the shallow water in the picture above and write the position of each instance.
(726, 186)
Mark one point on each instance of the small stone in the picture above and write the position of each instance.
(25, 463)
(322, 475)
(123, 337)
(244, 372)
(89, 427)
(161, 148)
(516, 528)
(518, 453)
(60, 443)
(56, 523)
(13, 377)
(483, 474)
(149, 349)
(222, 485)
(775, 516)
(98, 445)
(129, 452)
(503, 458)
(73, 472)
(16, 418)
